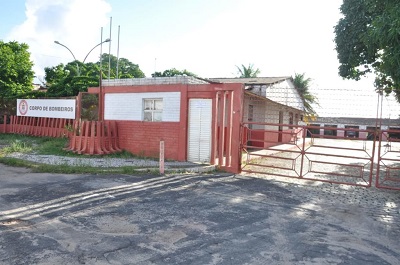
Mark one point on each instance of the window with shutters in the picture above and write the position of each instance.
(152, 109)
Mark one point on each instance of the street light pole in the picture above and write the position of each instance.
(106, 40)
(77, 66)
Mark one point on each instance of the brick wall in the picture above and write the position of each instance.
(143, 138)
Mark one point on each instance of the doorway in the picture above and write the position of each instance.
(199, 131)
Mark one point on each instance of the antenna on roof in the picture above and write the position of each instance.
(155, 66)
(109, 52)
(118, 52)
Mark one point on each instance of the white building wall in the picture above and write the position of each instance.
(258, 111)
(284, 93)
(129, 106)
(268, 112)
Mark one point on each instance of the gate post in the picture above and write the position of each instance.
(303, 149)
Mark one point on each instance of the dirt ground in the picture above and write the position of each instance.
(193, 219)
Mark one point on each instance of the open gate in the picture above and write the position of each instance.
(338, 155)
(388, 160)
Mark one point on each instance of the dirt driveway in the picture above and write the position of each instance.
(192, 219)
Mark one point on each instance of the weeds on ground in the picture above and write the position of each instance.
(66, 169)
(18, 146)
(14, 162)
(54, 146)
(7, 138)
(27, 144)
(45, 146)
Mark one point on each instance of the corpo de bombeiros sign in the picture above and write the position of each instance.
(47, 108)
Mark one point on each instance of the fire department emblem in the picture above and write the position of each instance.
(23, 107)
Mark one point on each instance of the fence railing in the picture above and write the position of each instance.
(327, 154)
(94, 138)
(85, 137)
(36, 126)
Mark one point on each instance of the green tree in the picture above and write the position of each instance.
(247, 72)
(367, 41)
(302, 85)
(173, 72)
(64, 80)
(67, 80)
(126, 69)
(16, 74)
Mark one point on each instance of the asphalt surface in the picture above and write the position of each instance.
(193, 219)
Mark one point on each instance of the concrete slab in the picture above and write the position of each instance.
(192, 219)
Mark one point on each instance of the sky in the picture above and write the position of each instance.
(207, 37)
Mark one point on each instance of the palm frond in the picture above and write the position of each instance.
(302, 85)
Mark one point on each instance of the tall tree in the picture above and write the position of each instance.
(64, 80)
(16, 74)
(247, 72)
(367, 41)
(302, 85)
(173, 72)
(126, 69)
(67, 80)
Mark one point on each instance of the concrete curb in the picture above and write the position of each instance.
(199, 169)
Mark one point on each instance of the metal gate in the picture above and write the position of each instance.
(329, 154)
(388, 161)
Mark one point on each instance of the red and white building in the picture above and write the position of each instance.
(199, 120)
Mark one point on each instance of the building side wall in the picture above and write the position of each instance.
(143, 138)
(259, 111)
(265, 111)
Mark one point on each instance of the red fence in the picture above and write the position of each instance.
(388, 164)
(35, 126)
(94, 138)
(86, 137)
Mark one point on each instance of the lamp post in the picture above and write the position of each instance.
(77, 66)
(106, 40)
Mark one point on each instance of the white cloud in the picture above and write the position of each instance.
(75, 23)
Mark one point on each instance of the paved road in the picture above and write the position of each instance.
(192, 219)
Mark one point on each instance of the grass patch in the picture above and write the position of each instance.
(14, 162)
(55, 146)
(18, 146)
(52, 146)
(5, 139)
(66, 169)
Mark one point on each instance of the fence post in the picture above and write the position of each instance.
(5, 123)
(161, 157)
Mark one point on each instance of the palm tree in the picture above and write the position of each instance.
(302, 85)
(247, 72)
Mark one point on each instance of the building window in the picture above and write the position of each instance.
(153, 109)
